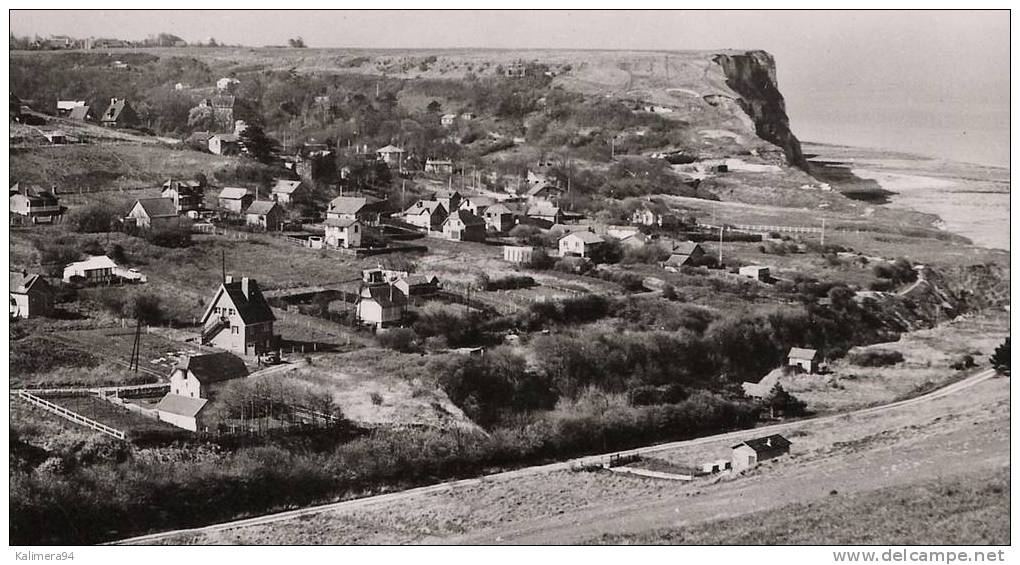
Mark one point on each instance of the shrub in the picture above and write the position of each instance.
(398, 339)
(94, 218)
(962, 362)
(876, 357)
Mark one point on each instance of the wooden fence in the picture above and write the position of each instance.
(69, 415)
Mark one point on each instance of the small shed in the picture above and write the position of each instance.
(264, 214)
(804, 358)
(750, 453)
(756, 272)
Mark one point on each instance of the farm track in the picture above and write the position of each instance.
(368, 502)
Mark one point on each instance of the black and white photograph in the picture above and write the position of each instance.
(704, 278)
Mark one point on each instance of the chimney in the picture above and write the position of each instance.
(768, 442)
(245, 287)
(229, 279)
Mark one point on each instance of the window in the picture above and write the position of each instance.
(235, 330)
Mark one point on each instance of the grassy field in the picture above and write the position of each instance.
(971, 510)
(111, 415)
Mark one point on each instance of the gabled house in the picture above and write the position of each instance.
(391, 154)
(290, 191)
(153, 213)
(343, 232)
(31, 295)
(750, 453)
(683, 253)
(448, 119)
(35, 203)
(64, 107)
(546, 212)
(464, 226)
(186, 195)
(544, 192)
(97, 269)
(362, 208)
(756, 272)
(417, 285)
(450, 199)
(580, 244)
(224, 144)
(184, 412)
(197, 376)
(476, 204)
(426, 214)
(239, 319)
(499, 218)
(119, 114)
(226, 83)
(381, 305)
(235, 199)
(806, 359)
(264, 214)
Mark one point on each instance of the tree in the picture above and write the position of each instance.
(201, 118)
(146, 308)
(1000, 359)
(781, 402)
(296, 42)
(434, 107)
(94, 218)
(258, 144)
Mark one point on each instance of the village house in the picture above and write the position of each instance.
(64, 107)
(227, 83)
(806, 359)
(476, 204)
(581, 244)
(57, 136)
(34, 203)
(343, 232)
(635, 240)
(464, 226)
(289, 192)
(183, 412)
(546, 212)
(381, 305)
(756, 272)
(239, 319)
(448, 119)
(186, 195)
(391, 155)
(750, 453)
(417, 285)
(81, 114)
(153, 213)
(426, 214)
(440, 166)
(684, 253)
(365, 209)
(224, 144)
(544, 192)
(235, 199)
(119, 114)
(264, 214)
(97, 269)
(499, 218)
(450, 199)
(516, 70)
(196, 376)
(518, 254)
(31, 295)
(646, 216)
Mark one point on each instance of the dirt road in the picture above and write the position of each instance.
(562, 529)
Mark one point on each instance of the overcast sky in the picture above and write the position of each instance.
(931, 61)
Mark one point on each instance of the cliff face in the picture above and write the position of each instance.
(752, 75)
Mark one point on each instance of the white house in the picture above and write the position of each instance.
(391, 154)
(97, 269)
(183, 412)
(580, 244)
(448, 119)
(153, 213)
(381, 305)
(804, 358)
(289, 191)
(31, 295)
(426, 214)
(750, 453)
(344, 233)
(196, 376)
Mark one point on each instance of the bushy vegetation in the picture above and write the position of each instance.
(876, 357)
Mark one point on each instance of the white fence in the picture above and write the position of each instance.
(69, 415)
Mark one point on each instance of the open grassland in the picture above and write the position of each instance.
(961, 510)
(953, 438)
(111, 415)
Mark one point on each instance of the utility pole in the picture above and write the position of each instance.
(223, 262)
(612, 148)
(720, 245)
(823, 232)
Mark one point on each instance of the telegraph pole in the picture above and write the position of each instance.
(720, 245)
(823, 232)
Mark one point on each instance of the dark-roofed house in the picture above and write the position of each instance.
(264, 214)
(806, 359)
(464, 226)
(35, 203)
(545, 192)
(684, 253)
(235, 199)
(153, 213)
(450, 199)
(441, 166)
(290, 191)
(381, 305)
(31, 295)
(476, 204)
(196, 376)
(187, 195)
(239, 319)
(119, 114)
(748, 454)
(224, 144)
(390, 154)
(546, 212)
(183, 412)
(343, 232)
(580, 244)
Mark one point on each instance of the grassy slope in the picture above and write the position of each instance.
(959, 511)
